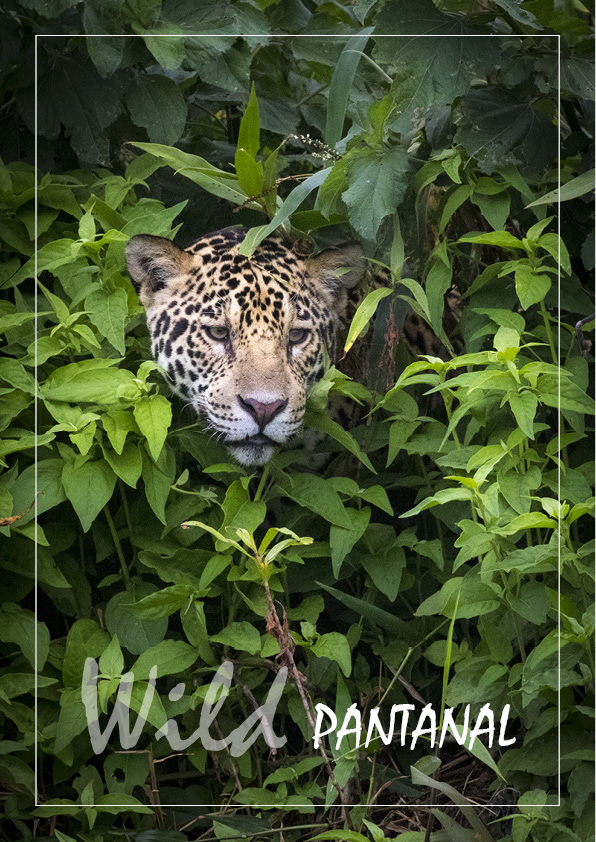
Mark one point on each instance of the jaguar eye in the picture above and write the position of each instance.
(298, 335)
(218, 334)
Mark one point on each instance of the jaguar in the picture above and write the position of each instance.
(242, 339)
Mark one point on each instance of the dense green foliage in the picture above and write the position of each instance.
(431, 559)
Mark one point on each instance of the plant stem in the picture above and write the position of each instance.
(118, 547)
(262, 483)
(549, 333)
(125, 507)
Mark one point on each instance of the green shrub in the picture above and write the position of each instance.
(432, 558)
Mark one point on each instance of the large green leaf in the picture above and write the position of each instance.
(435, 59)
(166, 45)
(154, 415)
(335, 647)
(136, 633)
(376, 185)
(18, 625)
(156, 103)
(363, 315)
(88, 485)
(241, 636)
(377, 616)
(102, 18)
(341, 86)
(90, 381)
(497, 129)
(85, 114)
(168, 657)
(108, 311)
(579, 186)
(316, 494)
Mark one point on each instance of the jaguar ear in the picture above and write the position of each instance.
(153, 262)
(338, 269)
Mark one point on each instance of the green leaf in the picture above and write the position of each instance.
(438, 281)
(111, 660)
(17, 625)
(242, 636)
(578, 186)
(197, 169)
(321, 421)
(154, 415)
(532, 602)
(555, 246)
(343, 540)
(108, 311)
(100, 19)
(475, 599)
(342, 836)
(166, 46)
(72, 720)
(376, 185)
(14, 373)
(292, 203)
(136, 633)
(366, 310)
(377, 495)
(88, 381)
(455, 199)
(119, 802)
(335, 647)
(516, 487)
(89, 486)
(316, 494)
(437, 60)
(195, 629)
(515, 10)
(85, 117)
(524, 405)
(481, 833)
(494, 238)
(158, 477)
(370, 612)
(118, 423)
(495, 207)
(530, 286)
(127, 465)
(445, 495)
(249, 132)
(341, 86)
(156, 103)
(498, 129)
(385, 570)
(529, 520)
(250, 174)
(566, 394)
(169, 656)
(87, 226)
(85, 640)
(216, 565)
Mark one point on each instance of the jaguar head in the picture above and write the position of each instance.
(242, 339)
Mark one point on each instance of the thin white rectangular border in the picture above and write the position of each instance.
(35, 410)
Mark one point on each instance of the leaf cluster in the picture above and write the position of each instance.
(442, 554)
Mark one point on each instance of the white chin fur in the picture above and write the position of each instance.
(252, 454)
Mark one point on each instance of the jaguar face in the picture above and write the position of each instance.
(243, 338)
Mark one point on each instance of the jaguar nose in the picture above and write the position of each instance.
(262, 413)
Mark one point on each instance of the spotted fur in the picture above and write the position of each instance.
(243, 339)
